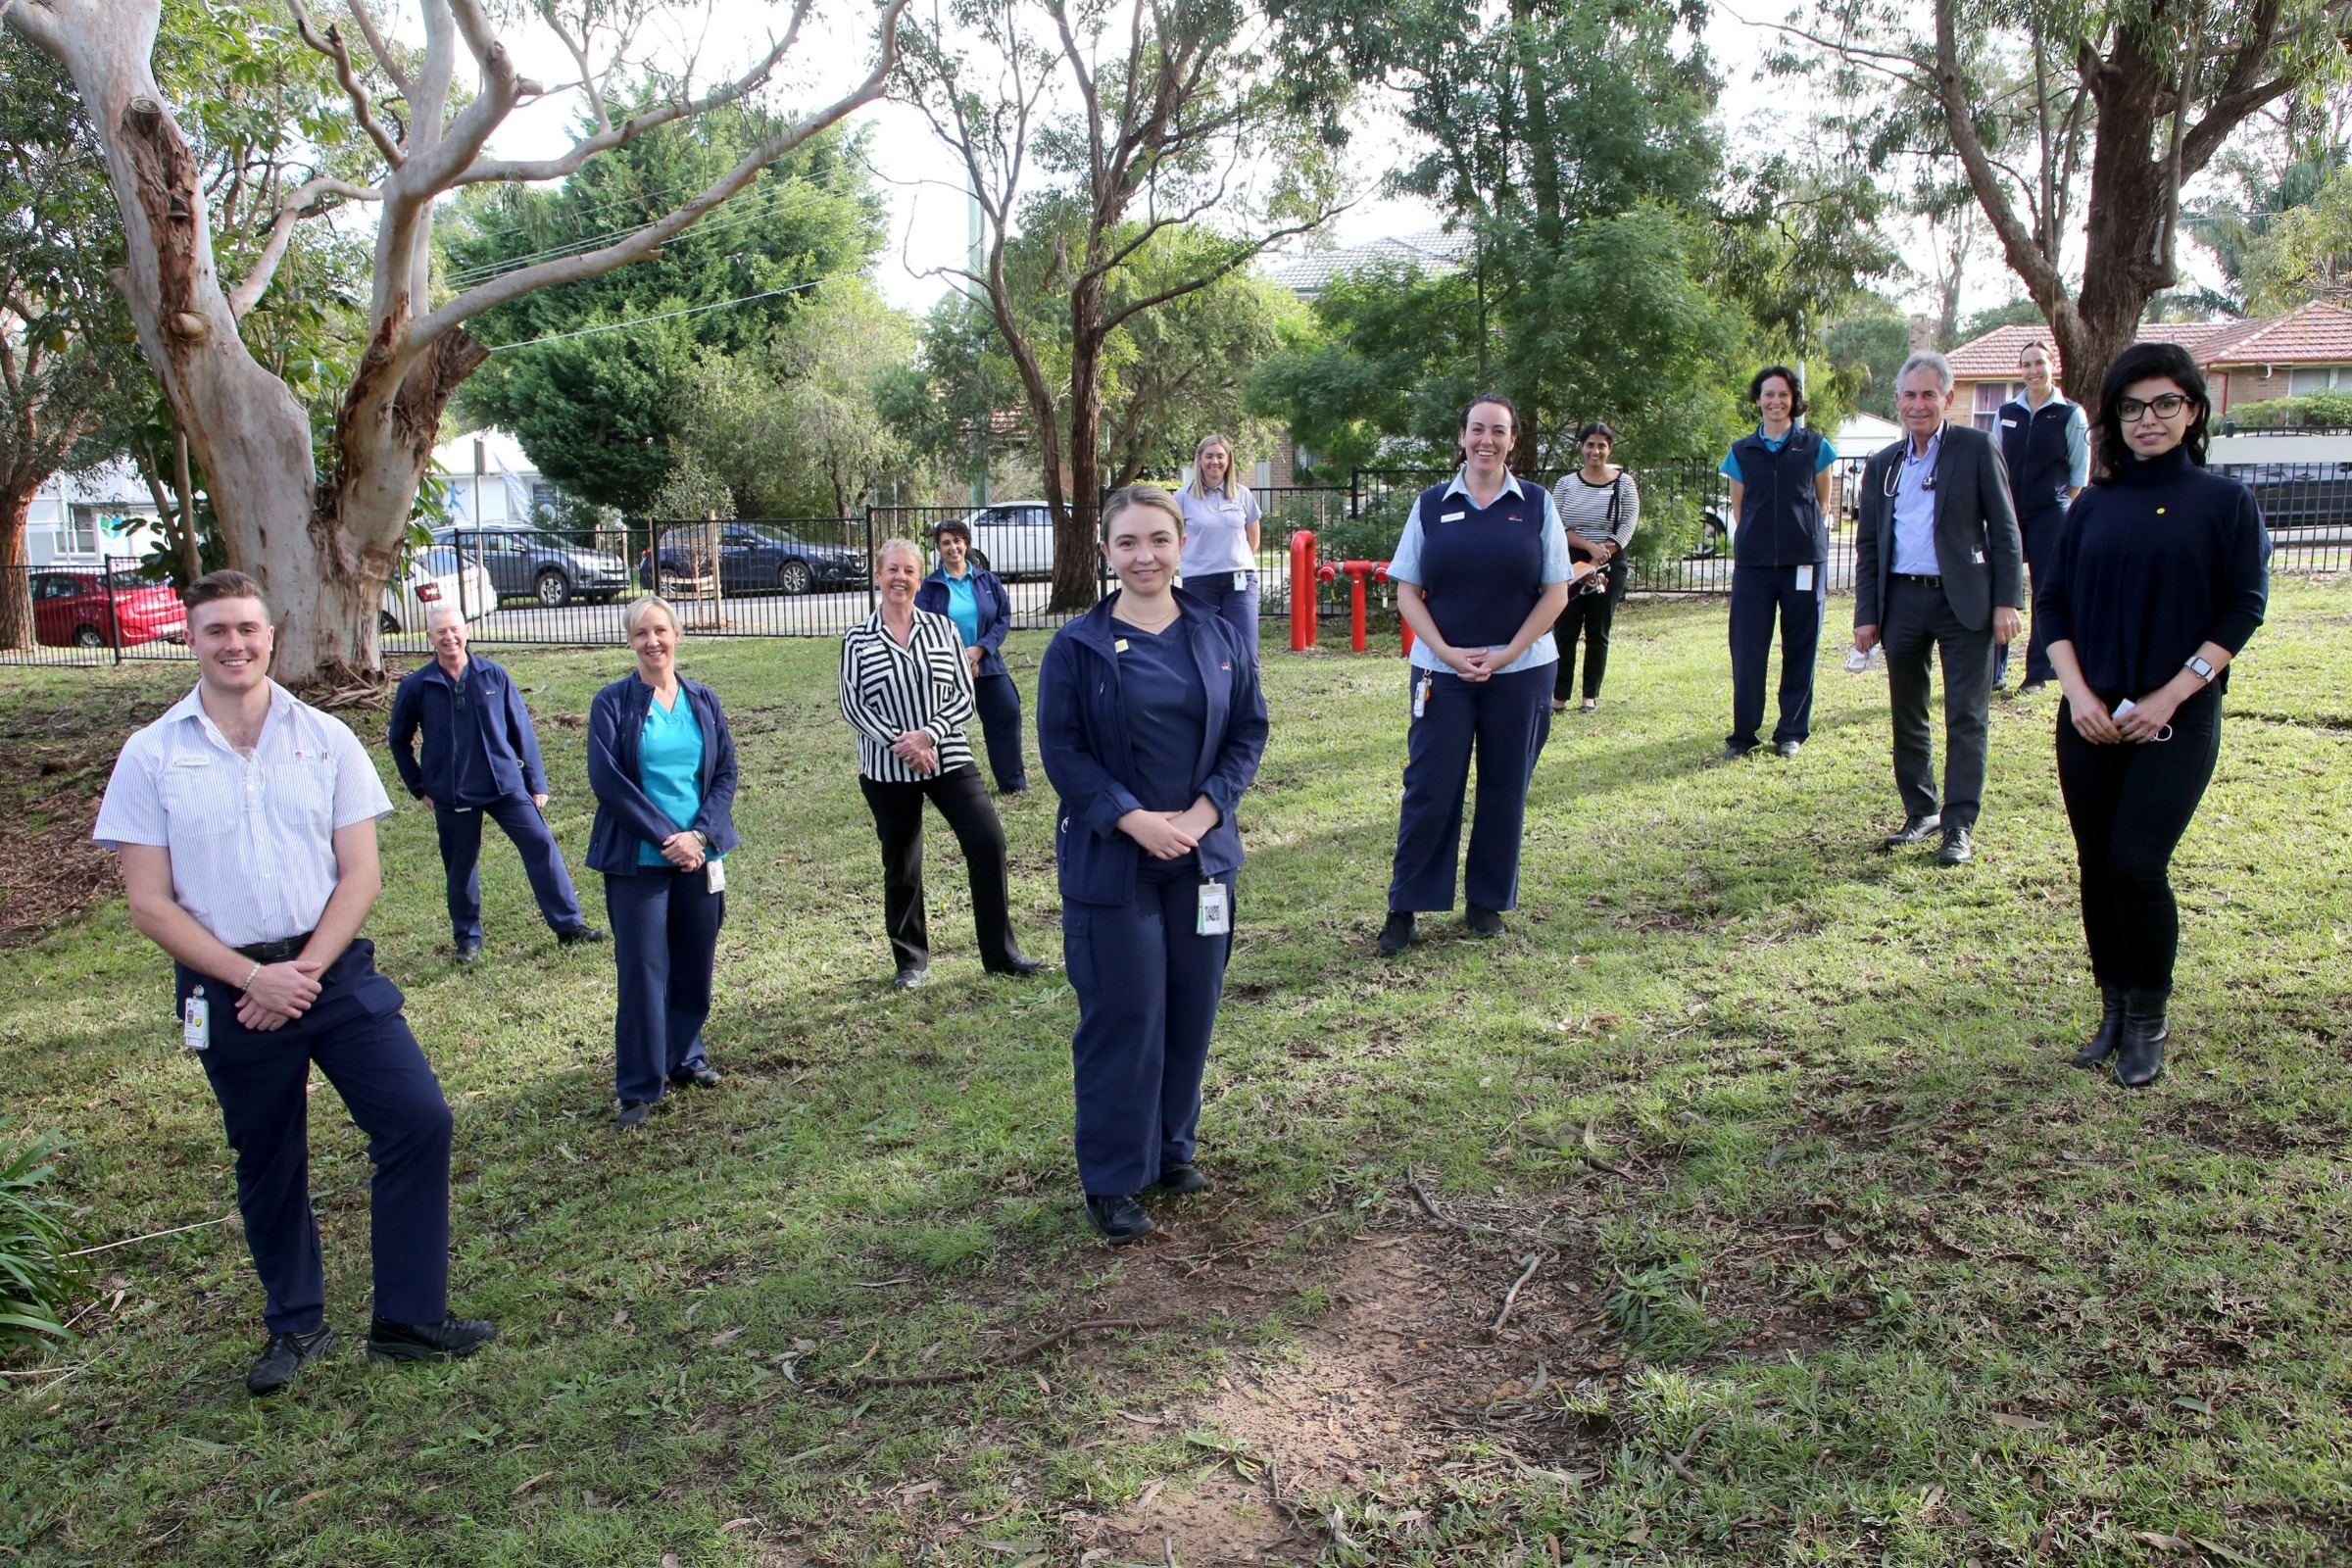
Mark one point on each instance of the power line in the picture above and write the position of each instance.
(668, 315)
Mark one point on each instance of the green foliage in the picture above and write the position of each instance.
(2013, 313)
(600, 415)
(2321, 411)
(37, 1279)
(2305, 253)
(1871, 347)
(1382, 379)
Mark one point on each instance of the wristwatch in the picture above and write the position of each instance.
(2200, 668)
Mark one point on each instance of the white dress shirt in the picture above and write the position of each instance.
(252, 839)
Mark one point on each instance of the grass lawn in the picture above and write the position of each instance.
(1821, 1253)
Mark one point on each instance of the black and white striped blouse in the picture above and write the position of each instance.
(887, 690)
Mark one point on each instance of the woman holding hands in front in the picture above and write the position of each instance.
(661, 765)
(1150, 724)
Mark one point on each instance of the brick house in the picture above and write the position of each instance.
(2307, 350)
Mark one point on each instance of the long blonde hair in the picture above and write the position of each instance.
(1232, 490)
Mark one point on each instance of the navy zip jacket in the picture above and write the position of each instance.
(1082, 737)
(426, 701)
(989, 597)
(624, 816)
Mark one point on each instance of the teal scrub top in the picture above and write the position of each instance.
(669, 765)
(963, 607)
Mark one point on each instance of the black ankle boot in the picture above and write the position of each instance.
(2140, 1057)
(2099, 1047)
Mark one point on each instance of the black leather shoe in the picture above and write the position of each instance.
(1957, 850)
(468, 952)
(697, 1078)
(909, 978)
(1396, 934)
(1482, 921)
(1915, 830)
(633, 1113)
(1732, 753)
(1180, 1179)
(587, 936)
(2032, 688)
(1017, 787)
(288, 1354)
(1120, 1220)
(1022, 967)
(1787, 748)
(446, 1341)
(2140, 1055)
(2102, 1045)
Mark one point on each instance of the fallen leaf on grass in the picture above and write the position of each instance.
(2164, 1543)
(1142, 1420)
(1013, 1548)
(529, 1485)
(305, 1499)
(725, 1337)
(2025, 1422)
(733, 1524)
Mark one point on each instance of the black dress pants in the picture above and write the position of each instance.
(961, 797)
(1591, 614)
(1918, 627)
(2128, 806)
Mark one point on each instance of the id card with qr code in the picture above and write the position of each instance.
(1216, 911)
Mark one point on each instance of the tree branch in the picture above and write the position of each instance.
(2038, 272)
(297, 203)
(331, 46)
(1115, 318)
(385, 60)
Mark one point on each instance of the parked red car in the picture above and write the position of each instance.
(73, 609)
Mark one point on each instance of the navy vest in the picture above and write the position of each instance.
(2034, 446)
(1482, 567)
(1780, 512)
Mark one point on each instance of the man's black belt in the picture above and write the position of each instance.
(277, 952)
(1922, 578)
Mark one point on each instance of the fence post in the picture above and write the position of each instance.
(114, 615)
(1354, 501)
(1303, 591)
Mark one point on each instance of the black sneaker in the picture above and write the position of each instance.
(2032, 688)
(633, 1113)
(1179, 1179)
(1120, 1220)
(909, 978)
(446, 1341)
(1733, 751)
(697, 1078)
(585, 935)
(1482, 921)
(286, 1355)
(1396, 934)
(468, 952)
(1787, 748)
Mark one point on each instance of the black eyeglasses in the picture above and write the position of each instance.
(2166, 406)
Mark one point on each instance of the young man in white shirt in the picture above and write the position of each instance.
(246, 822)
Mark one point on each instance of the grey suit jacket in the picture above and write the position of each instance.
(1977, 542)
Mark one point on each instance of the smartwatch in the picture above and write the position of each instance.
(2202, 668)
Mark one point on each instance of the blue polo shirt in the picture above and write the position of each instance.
(669, 767)
(1405, 566)
(964, 605)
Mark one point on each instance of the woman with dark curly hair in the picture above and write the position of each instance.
(2162, 573)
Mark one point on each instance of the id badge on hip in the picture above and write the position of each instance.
(1804, 578)
(196, 1022)
(717, 872)
(1216, 911)
(1241, 581)
(1421, 694)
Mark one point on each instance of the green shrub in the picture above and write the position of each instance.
(2320, 410)
(37, 1277)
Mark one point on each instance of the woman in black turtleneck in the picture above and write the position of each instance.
(2162, 573)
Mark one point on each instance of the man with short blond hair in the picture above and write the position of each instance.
(481, 759)
(246, 822)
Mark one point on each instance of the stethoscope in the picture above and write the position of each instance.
(1890, 484)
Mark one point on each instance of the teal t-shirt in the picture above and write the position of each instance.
(963, 607)
(669, 764)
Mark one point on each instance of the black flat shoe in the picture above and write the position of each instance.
(446, 1341)
(1118, 1220)
(1915, 830)
(2032, 688)
(2108, 1037)
(1957, 850)
(1787, 748)
(697, 1078)
(286, 1355)
(909, 978)
(1397, 933)
(633, 1113)
(1020, 968)
(2140, 1055)
(585, 935)
(1020, 787)
(468, 952)
(1732, 753)
(1482, 921)
(1179, 1179)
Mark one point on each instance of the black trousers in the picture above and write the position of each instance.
(2128, 806)
(1592, 614)
(1917, 627)
(961, 797)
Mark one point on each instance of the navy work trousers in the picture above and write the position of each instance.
(356, 1033)
(1148, 986)
(1236, 607)
(2040, 534)
(461, 833)
(664, 942)
(1758, 595)
(1504, 719)
(1000, 704)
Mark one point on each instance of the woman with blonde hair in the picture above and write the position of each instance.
(1220, 539)
(661, 765)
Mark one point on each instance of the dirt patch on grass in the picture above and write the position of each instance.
(54, 764)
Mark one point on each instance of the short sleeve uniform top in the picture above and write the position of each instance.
(669, 763)
(1216, 532)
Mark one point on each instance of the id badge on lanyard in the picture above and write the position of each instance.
(196, 1022)
(1421, 693)
(717, 871)
(1216, 911)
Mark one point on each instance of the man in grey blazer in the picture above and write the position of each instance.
(1938, 569)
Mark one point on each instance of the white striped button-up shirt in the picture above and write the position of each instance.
(252, 839)
(887, 690)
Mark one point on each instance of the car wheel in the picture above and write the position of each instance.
(554, 589)
(794, 577)
(88, 637)
(387, 624)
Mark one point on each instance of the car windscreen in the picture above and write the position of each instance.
(440, 561)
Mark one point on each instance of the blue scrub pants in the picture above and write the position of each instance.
(1147, 985)
(1505, 719)
(2039, 531)
(1236, 607)
(1758, 594)
(999, 703)
(461, 833)
(356, 1033)
(664, 942)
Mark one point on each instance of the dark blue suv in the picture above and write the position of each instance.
(755, 558)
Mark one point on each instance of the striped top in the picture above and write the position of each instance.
(887, 690)
(1585, 507)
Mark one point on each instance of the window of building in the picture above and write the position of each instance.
(1990, 395)
(2302, 383)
